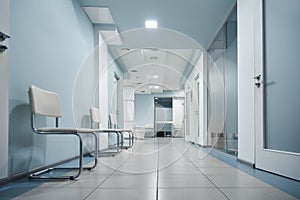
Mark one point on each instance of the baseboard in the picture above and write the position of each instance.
(246, 162)
(203, 146)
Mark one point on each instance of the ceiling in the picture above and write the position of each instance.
(185, 29)
(153, 70)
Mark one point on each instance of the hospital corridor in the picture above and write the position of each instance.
(149, 100)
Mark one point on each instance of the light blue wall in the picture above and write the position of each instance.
(144, 106)
(50, 40)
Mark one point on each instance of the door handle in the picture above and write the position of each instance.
(258, 85)
(258, 77)
(257, 80)
(3, 36)
(3, 48)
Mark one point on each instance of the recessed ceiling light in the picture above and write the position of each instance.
(156, 87)
(155, 76)
(151, 24)
(125, 49)
(153, 58)
(143, 91)
(133, 70)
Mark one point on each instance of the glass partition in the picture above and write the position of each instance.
(223, 54)
(281, 75)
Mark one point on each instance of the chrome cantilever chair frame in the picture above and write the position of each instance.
(114, 124)
(35, 110)
(95, 119)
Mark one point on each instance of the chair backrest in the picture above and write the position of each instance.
(44, 102)
(95, 115)
(113, 120)
(177, 126)
(149, 126)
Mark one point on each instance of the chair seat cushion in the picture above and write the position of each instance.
(64, 130)
(106, 130)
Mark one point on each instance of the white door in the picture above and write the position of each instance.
(128, 107)
(4, 76)
(194, 113)
(277, 93)
(178, 117)
(187, 116)
(197, 111)
(115, 98)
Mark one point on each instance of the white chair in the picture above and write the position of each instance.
(47, 104)
(177, 130)
(149, 130)
(128, 133)
(139, 132)
(96, 119)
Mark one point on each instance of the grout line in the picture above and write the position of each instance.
(208, 178)
(205, 176)
(112, 173)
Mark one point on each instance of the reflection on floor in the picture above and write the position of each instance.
(156, 168)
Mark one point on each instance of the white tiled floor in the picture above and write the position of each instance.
(163, 169)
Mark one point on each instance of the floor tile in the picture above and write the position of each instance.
(15, 190)
(182, 164)
(123, 194)
(180, 170)
(84, 182)
(55, 193)
(131, 181)
(236, 180)
(184, 181)
(183, 172)
(211, 164)
(256, 193)
(100, 170)
(137, 169)
(219, 170)
(190, 194)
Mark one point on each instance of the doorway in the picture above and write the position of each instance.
(117, 99)
(163, 116)
(188, 99)
(277, 98)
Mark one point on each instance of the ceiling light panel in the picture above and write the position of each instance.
(154, 56)
(151, 24)
(99, 15)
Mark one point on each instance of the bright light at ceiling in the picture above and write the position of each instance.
(151, 24)
(154, 87)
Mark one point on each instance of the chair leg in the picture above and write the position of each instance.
(122, 140)
(118, 149)
(39, 176)
(130, 140)
(80, 158)
(95, 153)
